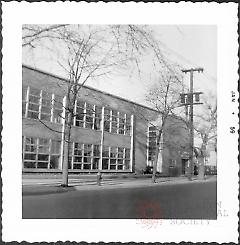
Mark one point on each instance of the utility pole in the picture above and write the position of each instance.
(187, 99)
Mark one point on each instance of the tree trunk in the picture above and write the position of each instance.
(156, 157)
(201, 168)
(66, 142)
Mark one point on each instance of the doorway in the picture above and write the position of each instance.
(184, 164)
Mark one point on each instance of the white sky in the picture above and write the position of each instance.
(190, 46)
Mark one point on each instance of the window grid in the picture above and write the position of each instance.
(152, 143)
(38, 153)
(38, 104)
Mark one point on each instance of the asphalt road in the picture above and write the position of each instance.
(190, 200)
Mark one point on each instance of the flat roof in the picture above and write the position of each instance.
(88, 87)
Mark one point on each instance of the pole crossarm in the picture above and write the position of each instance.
(200, 69)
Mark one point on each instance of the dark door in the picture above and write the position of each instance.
(184, 162)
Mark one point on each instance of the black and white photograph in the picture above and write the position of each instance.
(124, 123)
(91, 153)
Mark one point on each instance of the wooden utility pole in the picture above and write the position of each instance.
(188, 100)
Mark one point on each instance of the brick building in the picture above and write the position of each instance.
(108, 132)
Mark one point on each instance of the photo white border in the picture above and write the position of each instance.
(224, 15)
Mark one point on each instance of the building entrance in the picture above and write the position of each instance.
(184, 164)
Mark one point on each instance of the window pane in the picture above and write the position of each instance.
(29, 156)
(113, 152)
(33, 115)
(96, 150)
(55, 147)
(80, 113)
(95, 163)
(120, 161)
(113, 161)
(46, 110)
(57, 115)
(57, 109)
(86, 166)
(77, 159)
(43, 141)
(77, 166)
(127, 164)
(97, 123)
(105, 151)
(127, 153)
(79, 124)
(113, 167)
(105, 163)
(33, 107)
(106, 114)
(30, 148)
(87, 159)
(42, 165)
(114, 113)
(29, 165)
(107, 126)
(120, 152)
(42, 157)
(30, 140)
(89, 125)
(54, 162)
(45, 117)
(114, 129)
(120, 167)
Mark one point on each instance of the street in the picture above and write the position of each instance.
(186, 200)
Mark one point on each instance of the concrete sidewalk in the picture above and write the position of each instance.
(48, 186)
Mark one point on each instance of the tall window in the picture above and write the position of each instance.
(41, 153)
(122, 123)
(152, 143)
(57, 108)
(89, 116)
(97, 117)
(84, 156)
(114, 128)
(80, 114)
(117, 122)
(115, 158)
(107, 120)
(34, 103)
(41, 105)
(46, 105)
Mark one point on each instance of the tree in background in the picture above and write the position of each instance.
(164, 97)
(206, 128)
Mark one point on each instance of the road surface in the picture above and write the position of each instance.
(188, 200)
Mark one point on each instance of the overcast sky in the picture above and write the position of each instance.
(189, 45)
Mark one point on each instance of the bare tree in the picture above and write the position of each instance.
(163, 96)
(87, 52)
(206, 127)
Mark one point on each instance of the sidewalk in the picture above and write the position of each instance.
(48, 186)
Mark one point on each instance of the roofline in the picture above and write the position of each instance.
(89, 87)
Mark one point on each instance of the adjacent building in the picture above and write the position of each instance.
(108, 133)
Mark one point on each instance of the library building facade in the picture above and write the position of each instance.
(108, 133)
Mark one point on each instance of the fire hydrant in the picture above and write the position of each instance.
(99, 178)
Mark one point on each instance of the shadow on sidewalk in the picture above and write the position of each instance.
(45, 190)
